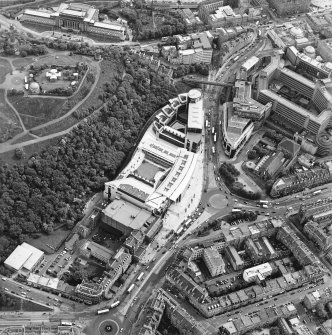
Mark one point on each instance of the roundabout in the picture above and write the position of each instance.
(218, 201)
(108, 327)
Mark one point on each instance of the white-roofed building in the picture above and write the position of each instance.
(250, 63)
(76, 17)
(214, 261)
(25, 257)
(236, 131)
(257, 273)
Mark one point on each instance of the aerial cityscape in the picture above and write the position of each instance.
(166, 167)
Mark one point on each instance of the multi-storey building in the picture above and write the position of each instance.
(318, 296)
(319, 234)
(325, 328)
(207, 7)
(299, 249)
(154, 311)
(90, 292)
(324, 48)
(259, 249)
(117, 266)
(308, 210)
(236, 131)
(234, 258)
(298, 182)
(190, 19)
(75, 17)
(214, 261)
(245, 106)
(262, 318)
(257, 273)
(194, 48)
(320, 21)
(286, 7)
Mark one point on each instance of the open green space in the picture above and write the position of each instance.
(49, 242)
(60, 59)
(9, 156)
(5, 68)
(108, 71)
(19, 62)
(24, 138)
(9, 122)
(56, 127)
(13, 303)
(36, 111)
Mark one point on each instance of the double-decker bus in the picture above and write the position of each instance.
(130, 288)
(212, 131)
(66, 323)
(103, 311)
(140, 276)
(213, 150)
(215, 138)
(116, 303)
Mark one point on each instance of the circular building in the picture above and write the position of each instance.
(34, 88)
(310, 51)
(297, 32)
(194, 95)
(324, 142)
(328, 66)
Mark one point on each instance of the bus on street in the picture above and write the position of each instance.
(103, 311)
(140, 276)
(66, 323)
(316, 192)
(131, 288)
(116, 303)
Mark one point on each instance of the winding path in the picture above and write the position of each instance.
(9, 145)
(10, 61)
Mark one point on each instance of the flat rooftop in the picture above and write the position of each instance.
(127, 213)
(196, 115)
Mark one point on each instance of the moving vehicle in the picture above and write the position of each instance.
(213, 150)
(316, 192)
(66, 323)
(140, 276)
(103, 311)
(131, 287)
(215, 138)
(116, 303)
(236, 210)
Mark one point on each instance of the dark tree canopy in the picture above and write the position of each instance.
(40, 195)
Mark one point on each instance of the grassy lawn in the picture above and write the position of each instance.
(36, 111)
(108, 70)
(5, 68)
(27, 306)
(19, 62)
(60, 59)
(56, 127)
(49, 243)
(24, 138)
(9, 123)
(9, 156)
